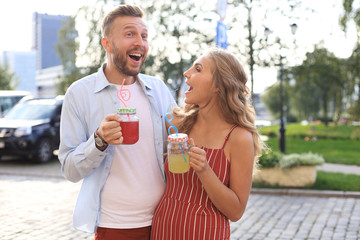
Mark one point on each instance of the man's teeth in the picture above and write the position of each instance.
(135, 56)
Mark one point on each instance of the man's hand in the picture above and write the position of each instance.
(110, 130)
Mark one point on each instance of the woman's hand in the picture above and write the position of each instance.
(197, 157)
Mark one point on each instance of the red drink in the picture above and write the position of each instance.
(130, 131)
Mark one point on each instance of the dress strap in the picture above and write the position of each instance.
(228, 135)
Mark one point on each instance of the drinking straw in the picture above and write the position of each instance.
(169, 117)
(124, 95)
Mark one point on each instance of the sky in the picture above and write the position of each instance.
(16, 26)
(16, 19)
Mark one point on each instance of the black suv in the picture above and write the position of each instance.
(31, 129)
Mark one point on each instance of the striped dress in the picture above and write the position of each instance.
(185, 211)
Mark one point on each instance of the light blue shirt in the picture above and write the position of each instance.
(86, 103)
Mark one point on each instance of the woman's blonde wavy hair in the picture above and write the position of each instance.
(234, 97)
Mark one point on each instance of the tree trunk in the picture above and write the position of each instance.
(325, 109)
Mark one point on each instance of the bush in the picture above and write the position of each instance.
(272, 159)
(272, 134)
(269, 159)
(304, 159)
(355, 135)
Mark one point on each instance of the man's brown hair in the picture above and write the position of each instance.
(121, 10)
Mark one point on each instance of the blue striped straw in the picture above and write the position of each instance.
(173, 126)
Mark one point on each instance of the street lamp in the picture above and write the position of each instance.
(282, 126)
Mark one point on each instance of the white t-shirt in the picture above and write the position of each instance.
(135, 184)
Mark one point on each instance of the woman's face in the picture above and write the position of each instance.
(199, 78)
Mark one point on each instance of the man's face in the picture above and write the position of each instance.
(129, 45)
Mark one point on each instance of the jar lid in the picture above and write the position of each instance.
(127, 110)
(180, 137)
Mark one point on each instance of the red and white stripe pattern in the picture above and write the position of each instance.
(185, 211)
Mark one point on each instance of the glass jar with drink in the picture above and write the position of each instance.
(178, 153)
(129, 125)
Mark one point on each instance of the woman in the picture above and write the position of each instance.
(220, 124)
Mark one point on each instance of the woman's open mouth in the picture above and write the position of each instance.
(189, 90)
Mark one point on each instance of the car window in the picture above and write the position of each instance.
(7, 103)
(31, 110)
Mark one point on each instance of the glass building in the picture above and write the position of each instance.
(45, 38)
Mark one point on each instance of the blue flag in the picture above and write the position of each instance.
(221, 35)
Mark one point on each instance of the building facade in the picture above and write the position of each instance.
(45, 38)
(23, 64)
(48, 64)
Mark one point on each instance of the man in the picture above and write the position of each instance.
(122, 183)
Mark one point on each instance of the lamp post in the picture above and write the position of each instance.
(281, 77)
(282, 127)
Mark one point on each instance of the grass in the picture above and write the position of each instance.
(334, 151)
(336, 143)
(329, 181)
(321, 131)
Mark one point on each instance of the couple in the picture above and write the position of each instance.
(127, 190)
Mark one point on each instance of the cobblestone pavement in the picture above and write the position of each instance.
(38, 206)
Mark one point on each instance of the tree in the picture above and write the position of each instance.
(67, 48)
(175, 23)
(180, 31)
(352, 15)
(187, 29)
(271, 100)
(255, 46)
(353, 74)
(317, 82)
(8, 80)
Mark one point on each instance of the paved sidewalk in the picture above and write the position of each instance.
(347, 169)
(38, 209)
(37, 204)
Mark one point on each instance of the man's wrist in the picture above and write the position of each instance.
(100, 143)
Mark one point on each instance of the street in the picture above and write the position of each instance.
(37, 204)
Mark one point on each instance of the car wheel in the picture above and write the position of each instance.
(44, 151)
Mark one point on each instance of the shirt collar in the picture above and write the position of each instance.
(102, 82)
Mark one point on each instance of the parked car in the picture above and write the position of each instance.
(8, 99)
(32, 129)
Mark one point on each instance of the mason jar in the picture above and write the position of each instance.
(178, 153)
(129, 125)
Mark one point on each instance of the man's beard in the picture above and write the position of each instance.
(121, 64)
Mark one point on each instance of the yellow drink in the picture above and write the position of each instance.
(177, 163)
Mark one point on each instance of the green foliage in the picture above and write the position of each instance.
(328, 181)
(271, 100)
(355, 135)
(313, 130)
(336, 181)
(66, 49)
(351, 14)
(8, 80)
(68, 46)
(318, 88)
(269, 159)
(186, 27)
(333, 151)
(317, 80)
(302, 159)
